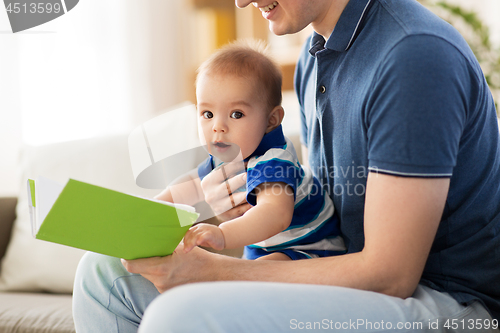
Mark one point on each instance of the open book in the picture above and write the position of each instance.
(101, 220)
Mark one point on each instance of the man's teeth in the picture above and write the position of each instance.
(268, 8)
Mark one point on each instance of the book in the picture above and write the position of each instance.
(105, 221)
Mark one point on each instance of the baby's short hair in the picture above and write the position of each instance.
(247, 58)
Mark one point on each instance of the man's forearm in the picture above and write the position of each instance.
(402, 215)
(350, 270)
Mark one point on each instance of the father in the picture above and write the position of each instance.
(400, 126)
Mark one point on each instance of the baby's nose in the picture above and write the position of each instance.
(219, 126)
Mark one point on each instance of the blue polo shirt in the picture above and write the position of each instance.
(397, 90)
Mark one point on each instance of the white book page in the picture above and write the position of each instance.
(46, 193)
(188, 208)
(32, 209)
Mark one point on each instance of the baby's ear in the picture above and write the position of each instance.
(275, 118)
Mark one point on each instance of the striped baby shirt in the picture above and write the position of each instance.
(314, 230)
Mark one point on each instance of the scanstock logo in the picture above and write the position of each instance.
(28, 14)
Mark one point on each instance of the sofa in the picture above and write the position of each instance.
(29, 311)
(36, 277)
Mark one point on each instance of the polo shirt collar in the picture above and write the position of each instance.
(346, 29)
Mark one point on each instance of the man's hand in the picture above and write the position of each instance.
(204, 234)
(178, 268)
(218, 187)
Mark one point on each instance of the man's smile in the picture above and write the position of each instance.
(269, 7)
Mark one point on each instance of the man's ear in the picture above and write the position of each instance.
(275, 117)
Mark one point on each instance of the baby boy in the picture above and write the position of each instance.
(238, 93)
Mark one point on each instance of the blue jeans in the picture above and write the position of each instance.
(109, 299)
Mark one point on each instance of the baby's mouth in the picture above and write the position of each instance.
(220, 145)
(226, 152)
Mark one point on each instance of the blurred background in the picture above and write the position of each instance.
(109, 65)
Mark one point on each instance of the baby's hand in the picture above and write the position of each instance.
(204, 234)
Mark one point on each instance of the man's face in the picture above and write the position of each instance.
(290, 16)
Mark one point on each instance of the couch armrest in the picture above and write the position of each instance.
(7, 217)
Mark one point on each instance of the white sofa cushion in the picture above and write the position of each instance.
(35, 313)
(34, 265)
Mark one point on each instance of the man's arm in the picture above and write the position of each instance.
(402, 216)
(401, 219)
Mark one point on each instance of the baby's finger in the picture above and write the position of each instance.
(189, 242)
(213, 179)
(234, 212)
(239, 198)
(189, 247)
(203, 240)
(241, 209)
(234, 168)
(236, 182)
(214, 187)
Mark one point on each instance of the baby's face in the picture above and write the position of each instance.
(232, 116)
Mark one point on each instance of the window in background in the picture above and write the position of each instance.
(73, 77)
(103, 68)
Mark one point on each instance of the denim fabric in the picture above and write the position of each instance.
(109, 299)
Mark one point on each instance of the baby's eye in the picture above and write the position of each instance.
(207, 114)
(236, 114)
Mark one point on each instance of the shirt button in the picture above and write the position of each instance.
(322, 89)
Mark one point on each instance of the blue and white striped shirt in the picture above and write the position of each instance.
(314, 229)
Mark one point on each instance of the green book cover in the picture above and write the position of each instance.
(97, 219)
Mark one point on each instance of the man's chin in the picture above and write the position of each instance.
(280, 30)
(277, 30)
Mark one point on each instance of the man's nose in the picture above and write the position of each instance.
(242, 3)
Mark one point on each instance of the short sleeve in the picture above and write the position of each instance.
(275, 166)
(417, 108)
